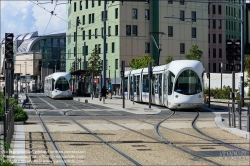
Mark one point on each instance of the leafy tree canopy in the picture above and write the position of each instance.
(94, 64)
(169, 59)
(194, 53)
(141, 62)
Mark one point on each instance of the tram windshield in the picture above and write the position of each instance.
(188, 83)
(62, 84)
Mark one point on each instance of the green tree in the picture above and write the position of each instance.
(194, 53)
(141, 62)
(169, 59)
(94, 64)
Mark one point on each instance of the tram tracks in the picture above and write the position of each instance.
(209, 140)
(165, 141)
(94, 134)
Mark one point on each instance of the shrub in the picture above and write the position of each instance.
(19, 113)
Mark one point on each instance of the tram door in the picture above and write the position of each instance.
(160, 89)
(137, 89)
(165, 89)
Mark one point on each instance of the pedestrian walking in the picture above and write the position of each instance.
(103, 94)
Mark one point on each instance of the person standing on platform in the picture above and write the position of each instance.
(110, 90)
(103, 94)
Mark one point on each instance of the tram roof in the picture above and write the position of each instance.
(59, 74)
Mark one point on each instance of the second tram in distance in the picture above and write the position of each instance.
(176, 85)
(57, 85)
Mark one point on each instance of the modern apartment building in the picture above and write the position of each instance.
(224, 23)
(129, 26)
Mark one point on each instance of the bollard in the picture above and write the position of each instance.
(248, 118)
(239, 112)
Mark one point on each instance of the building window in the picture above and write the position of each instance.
(74, 6)
(214, 53)
(102, 32)
(93, 17)
(219, 9)
(214, 67)
(89, 18)
(220, 38)
(109, 31)
(99, 48)
(214, 24)
(182, 48)
(219, 24)
(86, 4)
(116, 30)
(96, 33)
(193, 16)
(170, 1)
(128, 30)
(99, 2)
(147, 17)
(74, 36)
(93, 3)
(214, 38)
(147, 47)
(83, 35)
(83, 20)
(181, 2)
(106, 47)
(116, 63)
(74, 51)
(116, 13)
(214, 9)
(113, 47)
(220, 53)
(170, 31)
(134, 30)
(89, 34)
(134, 13)
(182, 15)
(193, 32)
(80, 5)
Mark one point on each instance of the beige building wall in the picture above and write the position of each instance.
(132, 46)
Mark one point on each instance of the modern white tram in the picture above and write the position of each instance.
(176, 85)
(57, 85)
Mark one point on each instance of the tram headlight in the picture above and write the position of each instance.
(199, 96)
(176, 96)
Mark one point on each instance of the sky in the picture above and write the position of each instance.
(21, 17)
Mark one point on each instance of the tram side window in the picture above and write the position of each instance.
(53, 83)
(170, 82)
(145, 84)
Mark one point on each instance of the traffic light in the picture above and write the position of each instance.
(237, 67)
(237, 50)
(9, 53)
(230, 50)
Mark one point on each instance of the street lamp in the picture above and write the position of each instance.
(221, 67)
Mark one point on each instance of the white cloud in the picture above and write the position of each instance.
(21, 17)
